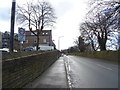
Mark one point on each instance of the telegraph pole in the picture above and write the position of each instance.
(12, 25)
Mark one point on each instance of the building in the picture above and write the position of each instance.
(45, 39)
(6, 40)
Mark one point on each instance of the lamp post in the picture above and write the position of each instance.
(59, 42)
(12, 25)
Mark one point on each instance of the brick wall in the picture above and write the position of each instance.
(18, 72)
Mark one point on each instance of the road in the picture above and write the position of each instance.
(91, 73)
(78, 72)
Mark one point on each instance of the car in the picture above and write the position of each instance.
(4, 50)
(15, 51)
(28, 49)
(45, 48)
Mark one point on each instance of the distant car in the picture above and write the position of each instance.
(15, 51)
(28, 49)
(45, 48)
(4, 50)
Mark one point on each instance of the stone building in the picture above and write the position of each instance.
(45, 39)
(6, 40)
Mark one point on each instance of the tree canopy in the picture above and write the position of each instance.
(101, 24)
(38, 15)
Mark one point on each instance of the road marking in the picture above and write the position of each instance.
(67, 68)
(104, 67)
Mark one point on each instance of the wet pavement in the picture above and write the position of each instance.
(54, 77)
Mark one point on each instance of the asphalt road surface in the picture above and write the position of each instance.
(91, 73)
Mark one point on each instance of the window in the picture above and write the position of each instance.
(6, 43)
(5, 39)
(46, 33)
(44, 41)
(43, 33)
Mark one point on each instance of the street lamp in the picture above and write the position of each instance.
(59, 42)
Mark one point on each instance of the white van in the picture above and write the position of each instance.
(46, 48)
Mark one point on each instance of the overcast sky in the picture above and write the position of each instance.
(69, 15)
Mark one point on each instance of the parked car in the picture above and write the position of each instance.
(4, 50)
(15, 51)
(28, 49)
(45, 48)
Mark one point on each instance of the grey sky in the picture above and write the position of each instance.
(69, 12)
(4, 14)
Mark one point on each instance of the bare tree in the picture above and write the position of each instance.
(38, 15)
(100, 23)
(88, 35)
(113, 42)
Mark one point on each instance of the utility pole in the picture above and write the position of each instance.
(12, 25)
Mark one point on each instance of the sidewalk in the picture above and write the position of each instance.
(53, 77)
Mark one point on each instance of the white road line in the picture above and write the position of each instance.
(104, 67)
(67, 67)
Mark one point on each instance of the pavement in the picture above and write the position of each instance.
(53, 77)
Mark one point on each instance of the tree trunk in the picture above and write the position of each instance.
(102, 43)
(103, 46)
(37, 47)
(92, 44)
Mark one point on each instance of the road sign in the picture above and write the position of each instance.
(21, 34)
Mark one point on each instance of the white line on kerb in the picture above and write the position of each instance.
(67, 67)
(104, 67)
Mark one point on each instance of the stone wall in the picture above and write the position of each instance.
(18, 72)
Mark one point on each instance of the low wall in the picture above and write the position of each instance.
(18, 72)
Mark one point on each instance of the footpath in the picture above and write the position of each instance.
(53, 77)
